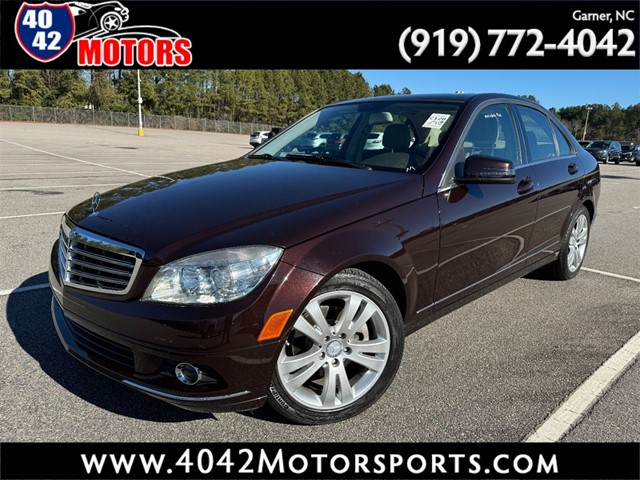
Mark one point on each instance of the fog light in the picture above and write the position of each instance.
(188, 374)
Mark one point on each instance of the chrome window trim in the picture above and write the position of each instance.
(447, 184)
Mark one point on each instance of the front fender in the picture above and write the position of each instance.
(403, 240)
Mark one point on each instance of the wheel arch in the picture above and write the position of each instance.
(381, 256)
(388, 277)
(590, 206)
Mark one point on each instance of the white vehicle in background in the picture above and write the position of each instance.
(374, 141)
(258, 138)
(312, 140)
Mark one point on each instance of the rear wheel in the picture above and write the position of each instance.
(574, 247)
(342, 354)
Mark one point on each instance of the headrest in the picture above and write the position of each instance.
(484, 130)
(396, 136)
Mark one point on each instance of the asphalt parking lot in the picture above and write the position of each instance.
(491, 371)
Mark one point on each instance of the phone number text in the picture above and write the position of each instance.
(512, 42)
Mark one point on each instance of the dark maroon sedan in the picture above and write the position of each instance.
(292, 275)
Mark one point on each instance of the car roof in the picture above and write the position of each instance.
(460, 98)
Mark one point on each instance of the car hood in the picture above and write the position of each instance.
(242, 202)
(596, 149)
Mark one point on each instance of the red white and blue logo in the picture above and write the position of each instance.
(103, 35)
(45, 31)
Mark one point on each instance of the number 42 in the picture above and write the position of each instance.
(40, 40)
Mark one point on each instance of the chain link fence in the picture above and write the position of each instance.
(18, 113)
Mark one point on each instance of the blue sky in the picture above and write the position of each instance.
(553, 88)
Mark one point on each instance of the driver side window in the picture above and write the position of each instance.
(492, 134)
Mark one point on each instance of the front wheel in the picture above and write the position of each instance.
(342, 353)
(574, 247)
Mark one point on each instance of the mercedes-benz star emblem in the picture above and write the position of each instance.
(95, 203)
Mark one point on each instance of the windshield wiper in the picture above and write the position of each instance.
(262, 156)
(321, 158)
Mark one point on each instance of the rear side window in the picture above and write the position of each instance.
(564, 148)
(538, 133)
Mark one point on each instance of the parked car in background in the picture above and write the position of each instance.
(291, 278)
(258, 137)
(627, 152)
(374, 141)
(605, 150)
(311, 140)
(275, 131)
(636, 154)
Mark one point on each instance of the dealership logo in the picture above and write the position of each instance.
(103, 34)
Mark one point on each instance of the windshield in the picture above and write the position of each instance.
(599, 144)
(391, 135)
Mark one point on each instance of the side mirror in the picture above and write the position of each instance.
(482, 169)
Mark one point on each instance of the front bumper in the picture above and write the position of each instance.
(140, 343)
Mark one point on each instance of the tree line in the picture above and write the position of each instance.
(274, 97)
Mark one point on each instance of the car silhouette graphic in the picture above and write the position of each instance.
(98, 17)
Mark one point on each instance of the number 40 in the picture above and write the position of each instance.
(38, 19)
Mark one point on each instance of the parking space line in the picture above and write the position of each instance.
(4, 293)
(31, 215)
(573, 410)
(75, 159)
(614, 275)
(61, 186)
(86, 172)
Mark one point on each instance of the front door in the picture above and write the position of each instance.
(486, 228)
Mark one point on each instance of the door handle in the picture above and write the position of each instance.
(573, 168)
(525, 185)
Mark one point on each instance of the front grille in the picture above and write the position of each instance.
(95, 344)
(92, 262)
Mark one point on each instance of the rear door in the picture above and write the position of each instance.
(486, 228)
(558, 171)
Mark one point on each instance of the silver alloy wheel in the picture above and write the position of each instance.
(336, 352)
(578, 242)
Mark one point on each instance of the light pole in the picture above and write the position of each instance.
(584, 134)
(140, 129)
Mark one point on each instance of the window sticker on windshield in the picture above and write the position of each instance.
(436, 120)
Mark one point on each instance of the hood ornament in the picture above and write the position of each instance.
(95, 203)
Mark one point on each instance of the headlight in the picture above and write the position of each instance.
(213, 277)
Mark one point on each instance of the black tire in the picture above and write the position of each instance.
(617, 161)
(316, 400)
(561, 269)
